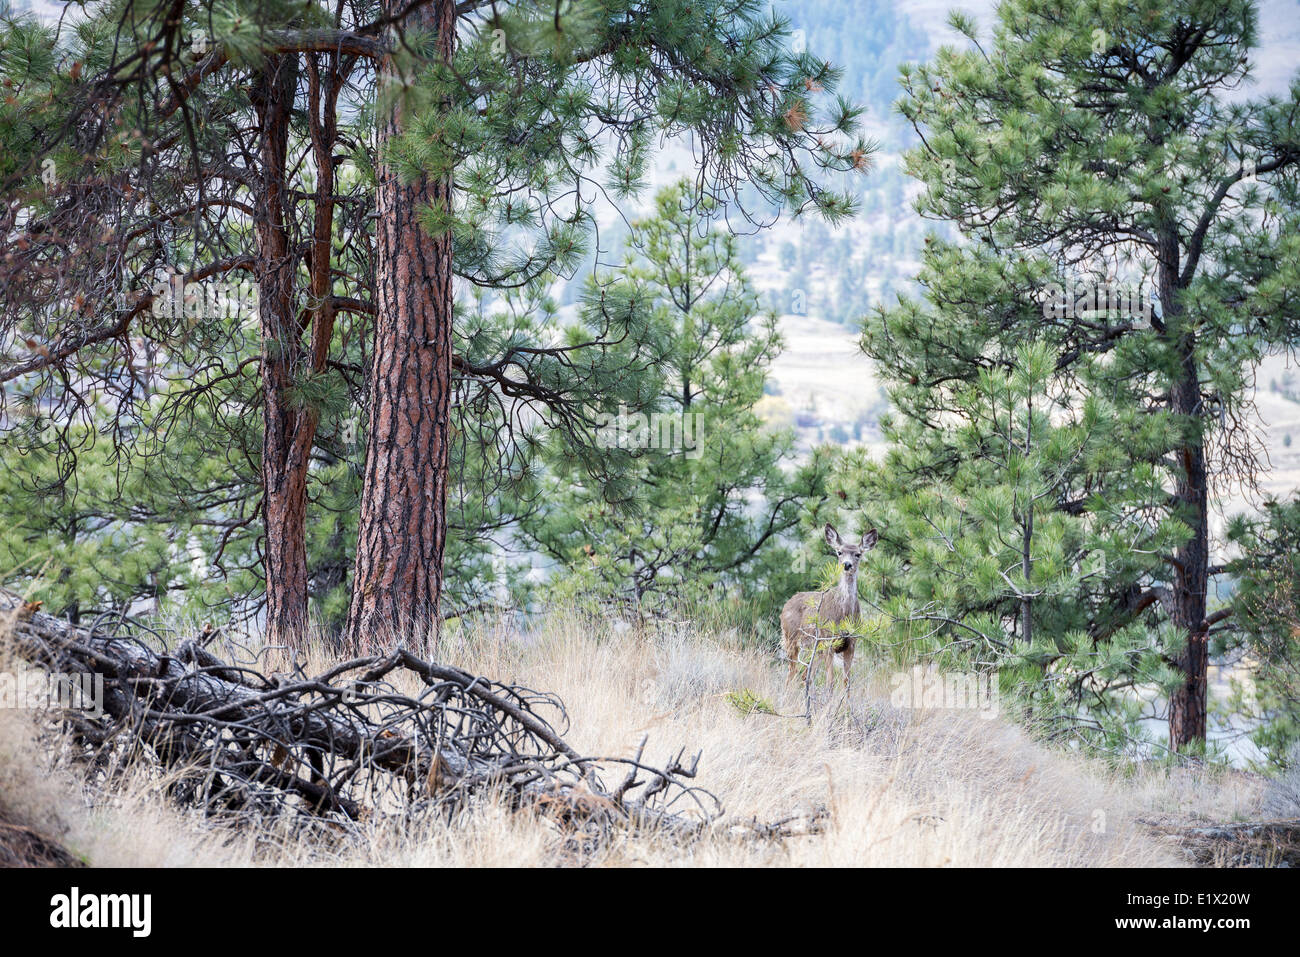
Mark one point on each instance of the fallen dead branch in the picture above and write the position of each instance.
(350, 744)
(1239, 843)
(796, 825)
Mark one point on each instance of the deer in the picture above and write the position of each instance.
(812, 617)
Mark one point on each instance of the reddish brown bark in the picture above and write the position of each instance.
(1188, 703)
(290, 428)
(287, 433)
(397, 578)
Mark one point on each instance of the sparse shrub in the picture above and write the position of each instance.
(688, 670)
(747, 702)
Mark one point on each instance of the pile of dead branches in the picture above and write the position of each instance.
(1273, 843)
(381, 735)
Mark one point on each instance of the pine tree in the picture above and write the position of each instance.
(162, 151)
(521, 105)
(703, 503)
(257, 159)
(1092, 144)
(980, 568)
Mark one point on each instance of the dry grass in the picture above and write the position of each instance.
(902, 787)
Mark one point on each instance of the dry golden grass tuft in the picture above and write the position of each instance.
(900, 787)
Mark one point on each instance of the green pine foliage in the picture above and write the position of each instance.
(1266, 605)
(542, 105)
(708, 492)
(1025, 504)
(1029, 506)
(164, 515)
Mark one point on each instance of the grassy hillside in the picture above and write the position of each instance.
(896, 786)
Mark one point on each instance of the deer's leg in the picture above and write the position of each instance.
(846, 658)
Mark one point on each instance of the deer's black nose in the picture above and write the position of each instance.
(848, 565)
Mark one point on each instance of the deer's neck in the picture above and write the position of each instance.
(849, 585)
(845, 594)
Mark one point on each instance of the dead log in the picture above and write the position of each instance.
(1250, 843)
(350, 743)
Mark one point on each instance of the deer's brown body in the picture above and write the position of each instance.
(812, 618)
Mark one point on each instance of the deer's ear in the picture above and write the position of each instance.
(832, 536)
(869, 538)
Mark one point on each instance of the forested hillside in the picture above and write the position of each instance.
(355, 354)
(837, 273)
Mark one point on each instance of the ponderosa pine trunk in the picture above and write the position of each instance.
(1188, 703)
(397, 578)
(288, 430)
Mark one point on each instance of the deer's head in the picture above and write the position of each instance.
(849, 553)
